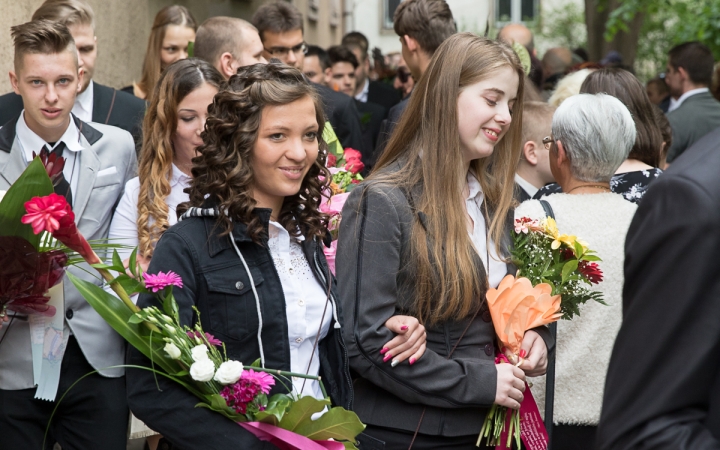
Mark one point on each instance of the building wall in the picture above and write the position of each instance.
(123, 27)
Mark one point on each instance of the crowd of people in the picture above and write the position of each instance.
(214, 166)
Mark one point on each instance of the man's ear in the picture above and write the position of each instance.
(411, 43)
(683, 73)
(530, 153)
(14, 82)
(81, 75)
(227, 68)
(560, 154)
(328, 76)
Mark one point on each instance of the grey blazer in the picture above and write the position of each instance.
(376, 280)
(94, 202)
(697, 116)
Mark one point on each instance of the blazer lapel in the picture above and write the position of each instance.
(15, 164)
(89, 165)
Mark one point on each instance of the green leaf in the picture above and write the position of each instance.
(338, 423)
(133, 263)
(587, 257)
(130, 284)
(135, 319)
(578, 250)
(256, 363)
(118, 265)
(569, 267)
(301, 411)
(33, 182)
(267, 417)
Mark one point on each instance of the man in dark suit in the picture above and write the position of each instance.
(422, 26)
(281, 30)
(663, 384)
(340, 77)
(693, 111)
(367, 90)
(95, 102)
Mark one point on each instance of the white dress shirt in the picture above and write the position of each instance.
(496, 267)
(526, 186)
(83, 107)
(123, 228)
(305, 301)
(31, 142)
(363, 95)
(675, 104)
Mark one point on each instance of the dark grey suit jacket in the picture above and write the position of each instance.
(663, 384)
(110, 107)
(383, 94)
(344, 117)
(697, 116)
(376, 280)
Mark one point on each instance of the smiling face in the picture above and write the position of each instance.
(175, 44)
(192, 112)
(48, 85)
(285, 149)
(484, 113)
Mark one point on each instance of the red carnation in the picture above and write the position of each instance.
(591, 271)
(331, 160)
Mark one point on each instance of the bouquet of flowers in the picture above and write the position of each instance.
(554, 273)
(191, 357)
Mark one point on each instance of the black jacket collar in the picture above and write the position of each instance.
(8, 132)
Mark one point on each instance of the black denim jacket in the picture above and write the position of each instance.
(217, 284)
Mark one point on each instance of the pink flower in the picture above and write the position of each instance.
(44, 213)
(263, 380)
(210, 338)
(162, 280)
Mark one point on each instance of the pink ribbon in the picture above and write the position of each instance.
(532, 429)
(287, 440)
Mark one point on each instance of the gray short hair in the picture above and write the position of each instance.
(597, 132)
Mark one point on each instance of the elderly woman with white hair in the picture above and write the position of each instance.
(591, 136)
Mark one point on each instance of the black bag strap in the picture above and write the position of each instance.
(550, 374)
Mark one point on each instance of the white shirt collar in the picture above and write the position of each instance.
(31, 142)
(363, 95)
(675, 104)
(280, 230)
(83, 107)
(178, 176)
(474, 188)
(526, 186)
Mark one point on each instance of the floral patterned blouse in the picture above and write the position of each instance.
(631, 185)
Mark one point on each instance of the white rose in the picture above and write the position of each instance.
(172, 350)
(202, 370)
(229, 372)
(199, 353)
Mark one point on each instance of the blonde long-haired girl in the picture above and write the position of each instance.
(426, 236)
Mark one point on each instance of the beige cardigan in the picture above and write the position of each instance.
(584, 344)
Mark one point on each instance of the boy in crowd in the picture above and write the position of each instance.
(315, 64)
(533, 170)
(228, 43)
(99, 160)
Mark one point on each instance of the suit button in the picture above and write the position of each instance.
(69, 314)
(489, 349)
(486, 316)
(239, 285)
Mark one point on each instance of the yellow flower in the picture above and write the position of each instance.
(563, 239)
(550, 227)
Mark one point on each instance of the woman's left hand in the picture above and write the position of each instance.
(409, 342)
(535, 363)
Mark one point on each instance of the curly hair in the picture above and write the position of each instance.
(223, 172)
(157, 154)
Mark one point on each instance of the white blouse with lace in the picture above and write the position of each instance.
(305, 306)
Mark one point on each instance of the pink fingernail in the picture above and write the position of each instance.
(387, 357)
(523, 353)
(404, 327)
(384, 350)
(412, 361)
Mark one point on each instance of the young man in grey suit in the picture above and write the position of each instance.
(693, 111)
(95, 102)
(99, 160)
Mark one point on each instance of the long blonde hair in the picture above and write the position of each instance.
(157, 154)
(152, 65)
(450, 285)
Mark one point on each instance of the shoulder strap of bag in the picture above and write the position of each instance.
(550, 375)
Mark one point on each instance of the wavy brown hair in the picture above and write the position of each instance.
(426, 146)
(223, 172)
(624, 86)
(157, 154)
(152, 65)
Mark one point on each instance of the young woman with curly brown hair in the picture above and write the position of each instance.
(249, 250)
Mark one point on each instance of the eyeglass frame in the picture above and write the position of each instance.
(284, 51)
(548, 142)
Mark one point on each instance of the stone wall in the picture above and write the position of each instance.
(123, 27)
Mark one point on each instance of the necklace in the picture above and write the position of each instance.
(596, 186)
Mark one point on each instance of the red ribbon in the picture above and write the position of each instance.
(532, 429)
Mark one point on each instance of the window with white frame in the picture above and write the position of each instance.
(516, 10)
(388, 8)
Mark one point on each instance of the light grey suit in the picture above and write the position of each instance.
(94, 201)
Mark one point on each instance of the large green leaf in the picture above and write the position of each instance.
(117, 314)
(338, 423)
(301, 411)
(33, 182)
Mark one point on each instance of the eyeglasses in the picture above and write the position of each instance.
(403, 74)
(282, 52)
(548, 142)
